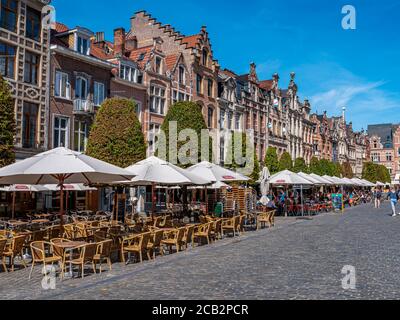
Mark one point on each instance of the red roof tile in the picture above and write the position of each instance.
(60, 27)
(171, 61)
(99, 53)
(192, 41)
(142, 53)
(266, 84)
(229, 73)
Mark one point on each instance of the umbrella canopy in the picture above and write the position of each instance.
(288, 178)
(359, 182)
(70, 187)
(264, 185)
(62, 165)
(350, 182)
(324, 181)
(380, 184)
(156, 171)
(216, 173)
(334, 180)
(24, 188)
(310, 178)
(216, 186)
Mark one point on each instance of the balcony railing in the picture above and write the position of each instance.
(83, 106)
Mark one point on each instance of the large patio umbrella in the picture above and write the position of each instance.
(264, 186)
(216, 173)
(380, 184)
(62, 166)
(310, 178)
(324, 181)
(368, 183)
(290, 178)
(154, 171)
(21, 188)
(359, 182)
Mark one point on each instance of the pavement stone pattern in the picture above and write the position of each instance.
(298, 259)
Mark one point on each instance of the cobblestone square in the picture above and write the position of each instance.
(299, 259)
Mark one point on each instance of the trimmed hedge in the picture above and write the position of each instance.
(116, 135)
(285, 162)
(271, 160)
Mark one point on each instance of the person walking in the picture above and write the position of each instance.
(378, 197)
(394, 198)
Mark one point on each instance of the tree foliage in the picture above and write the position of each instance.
(7, 125)
(271, 160)
(285, 162)
(300, 166)
(374, 172)
(325, 167)
(347, 170)
(249, 165)
(116, 135)
(186, 115)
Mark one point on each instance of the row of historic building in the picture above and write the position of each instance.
(60, 77)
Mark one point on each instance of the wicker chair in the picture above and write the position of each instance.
(38, 249)
(16, 250)
(86, 255)
(203, 232)
(174, 239)
(104, 253)
(155, 243)
(135, 244)
(3, 243)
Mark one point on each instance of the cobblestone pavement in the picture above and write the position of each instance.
(299, 259)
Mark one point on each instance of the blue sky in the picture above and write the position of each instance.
(334, 67)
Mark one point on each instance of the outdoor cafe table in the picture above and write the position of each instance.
(14, 224)
(70, 247)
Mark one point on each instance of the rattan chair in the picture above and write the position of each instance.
(15, 250)
(86, 255)
(203, 232)
(155, 243)
(174, 239)
(104, 253)
(39, 256)
(3, 244)
(135, 244)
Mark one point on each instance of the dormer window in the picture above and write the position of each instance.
(130, 73)
(158, 68)
(83, 46)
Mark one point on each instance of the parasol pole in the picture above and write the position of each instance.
(13, 205)
(153, 200)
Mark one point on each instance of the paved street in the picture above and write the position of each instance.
(299, 259)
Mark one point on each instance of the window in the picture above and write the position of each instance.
(181, 75)
(60, 138)
(138, 110)
(157, 100)
(83, 46)
(237, 122)
(80, 136)
(398, 151)
(205, 57)
(174, 96)
(62, 86)
(29, 125)
(9, 14)
(210, 117)
(129, 73)
(389, 156)
(199, 84)
(375, 157)
(31, 68)
(210, 87)
(7, 60)
(99, 95)
(158, 65)
(33, 24)
(81, 88)
(222, 120)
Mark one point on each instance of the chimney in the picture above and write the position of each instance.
(157, 42)
(119, 41)
(131, 43)
(99, 36)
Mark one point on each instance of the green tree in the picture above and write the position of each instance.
(185, 115)
(285, 162)
(347, 170)
(300, 166)
(336, 170)
(249, 164)
(271, 160)
(383, 174)
(369, 172)
(314, 166)
(116, 135)
(7, 125)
